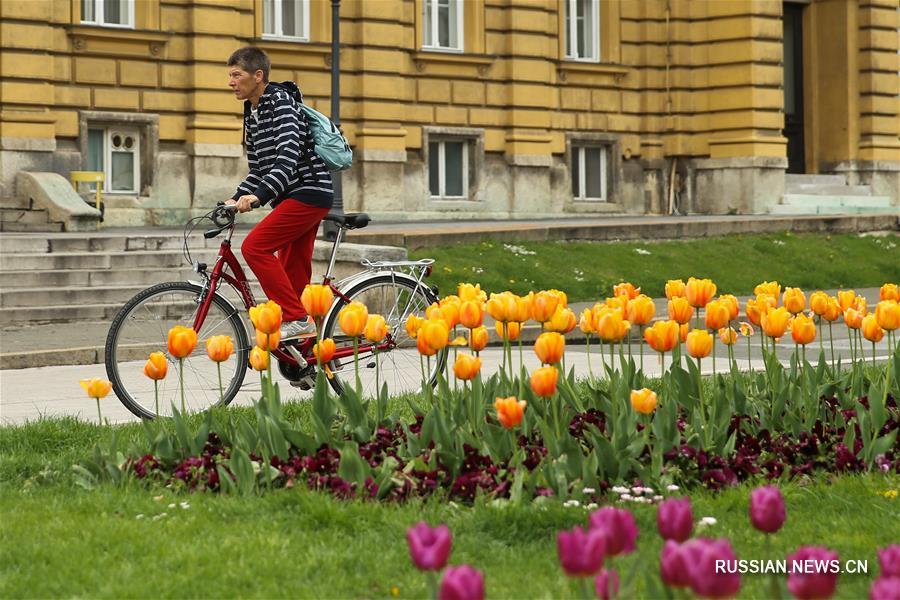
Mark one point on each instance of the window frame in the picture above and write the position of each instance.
(98, 11)
(457, 10)
(108, 131)
(278, 23)
(441, 142)
(570, 30)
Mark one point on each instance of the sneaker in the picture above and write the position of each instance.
(298, 329)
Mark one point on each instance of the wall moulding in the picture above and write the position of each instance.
(117, 42)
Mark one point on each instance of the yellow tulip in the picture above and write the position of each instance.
(544, 380)
(775, 322)
(549, 347)
(853, 318)
(376, 329)
(847, 299)
(818, 302)
(543, 306)
(699, 291)
(324, 350)
(435, 334)
(832, 310)
(755, 311)
(561, 296)
(156, 366)
(871, 330)
(889, 291)
(643, 401)
(683, 330)
(513, 330)
(523, 308)
(563, 321)
(466, 367)
(680, 310)
(611, 327)
(478, 339)
(768, 288)
(467, 291)
(259, 359)
(619, 303)
(675, 288)
(266, 317)
(353, 318)
(794, 300)
(471, 313)
(509, 411)
(586, 322)
(626, 289)
(96, 387)
(699, 343)
(501, 307)
(450, 306)
(640, 310)
(219, 348)
(317, 300)
(734, 308)
(413, 324)
(746, 329)
(728, 335)
(423, 347)
(887, 313)
(803, 330)
(181, 341)
(716, 315)
(662, 336)
(268, 341)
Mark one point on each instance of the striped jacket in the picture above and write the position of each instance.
(281, 152)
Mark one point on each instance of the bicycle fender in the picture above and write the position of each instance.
(347, 285)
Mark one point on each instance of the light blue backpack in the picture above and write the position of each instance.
(331, 145)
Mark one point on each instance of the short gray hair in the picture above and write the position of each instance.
(251, 59)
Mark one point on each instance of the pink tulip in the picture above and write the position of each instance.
(429, 548)
(767, 509)
(619, 528)
(461, 583)
(581, 552)
(889, 561)
(705, 581)
(811, 585)
(675, 563)
(885, 588)
(607, 584)
(674, 519)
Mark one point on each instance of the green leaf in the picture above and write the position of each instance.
(352, 467)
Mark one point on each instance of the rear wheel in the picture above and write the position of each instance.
(394, 297)
(142, 327)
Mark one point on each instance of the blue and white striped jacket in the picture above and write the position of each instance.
(281, 153)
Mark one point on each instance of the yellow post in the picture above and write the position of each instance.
(96, 177)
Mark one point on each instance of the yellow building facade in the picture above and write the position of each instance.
(464, 108)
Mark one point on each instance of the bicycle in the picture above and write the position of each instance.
(394, 289)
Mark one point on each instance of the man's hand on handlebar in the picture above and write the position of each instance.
(244, 203)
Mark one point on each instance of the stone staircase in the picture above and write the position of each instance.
(20, 214)
(829, 195)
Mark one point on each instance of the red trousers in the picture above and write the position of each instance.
(290, 229)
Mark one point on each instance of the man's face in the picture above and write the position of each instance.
(242, 83)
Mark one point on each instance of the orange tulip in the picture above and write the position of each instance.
(717, 315)
(450, 309)
(734, 308)
(887, 313)
(353, 318)
(436, 312)
(675, 288)
(832, 310)
(626, 289)
(803, 330)
(699, 343)
(586, 322)
(794, 300)
(324, 350)
(616, 303)
(853, 318)
(181, 341)
(680, 310)
(259, 359)
(818, 302)
(509, 411)
(376, 329)
(847, 299)
(746, 329)
(523, 307)
(561, 295)
(423, 347)
(871, 330)
(544, 306)
(266, 317)
(699, 291)
(219, 348)
(889, 291)
(96, 387)
(459, 341)
(544, 380)
(413, 324)
(662, 336)
(471, 313)
(501, 307)
(157, 366)
(611, 327)
(768, 288)
(316, 300)
(775, 322)
(643, 401)
(478, 338)
(435, 334)
(513, 330)
(683, 330)
(861, 305)
(728, 335)
(467, 291)
(549, 347)
(268, 341)
(563, 321)
(466, 367)
(640, 310)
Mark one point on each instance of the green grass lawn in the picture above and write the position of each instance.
(588, 270)
(61, 540)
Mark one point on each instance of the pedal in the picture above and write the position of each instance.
(370, 365)
(301, 362)
(305, 384)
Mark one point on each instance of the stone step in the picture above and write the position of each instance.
(91, 277)
(52, 261)
(14, 227)
(17, 202)
(816, 179)
(61, 296)
(792, 209)
(828, 190)
(110, 242)
(811, 200)
(23, 215)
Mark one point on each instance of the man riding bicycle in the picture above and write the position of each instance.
(286, 171)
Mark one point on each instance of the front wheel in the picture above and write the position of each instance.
(394, 297)
(142, 327)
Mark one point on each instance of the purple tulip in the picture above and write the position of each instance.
(461, 583)
(885, 588)
(889, 561)
(429, 548)
(767, 509)
(674, 519)
(811, 581)
(675, 562)
(607, 584)
(705, 580)
(619, 528)
(581, 552)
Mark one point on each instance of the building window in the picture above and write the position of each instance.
(286, 19)
(115, 151)
(442, 22)
(582, 30)
(589, 172)
(448, 169)
(109, 13)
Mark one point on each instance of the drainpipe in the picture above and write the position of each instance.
(670, 195)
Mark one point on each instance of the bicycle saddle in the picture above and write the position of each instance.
(349, 220)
